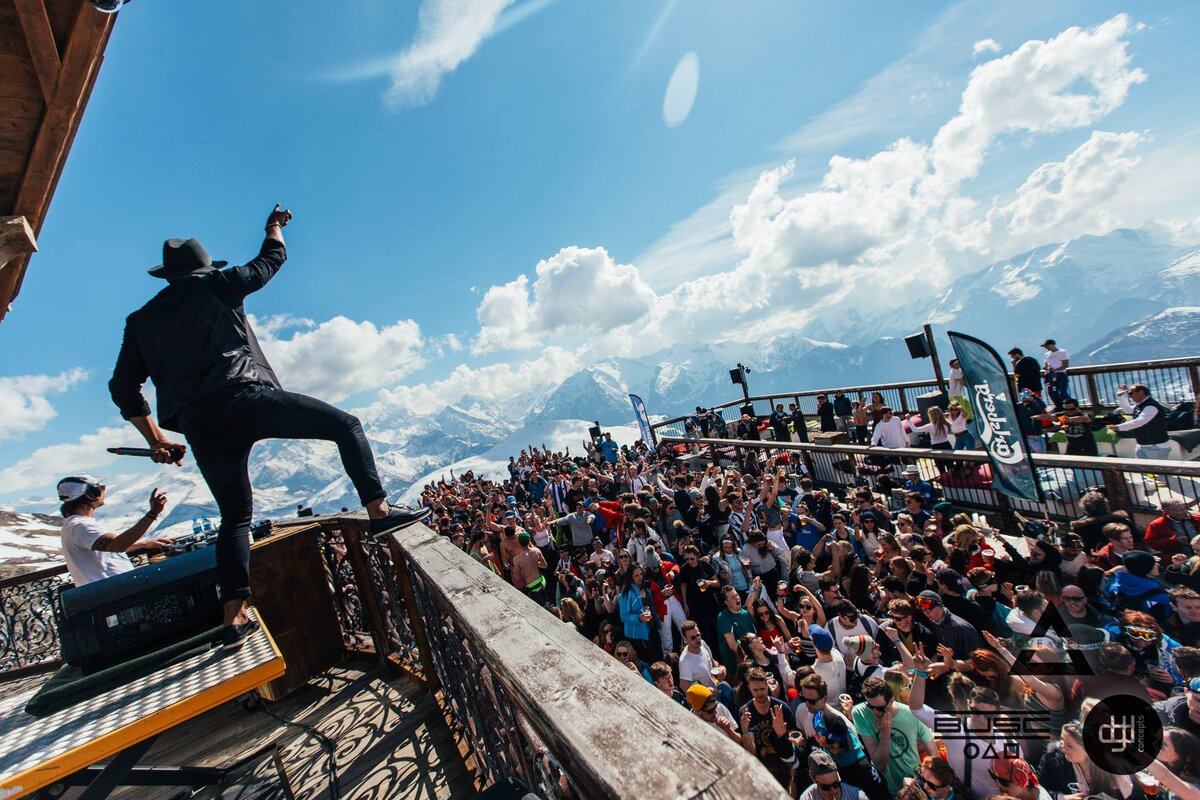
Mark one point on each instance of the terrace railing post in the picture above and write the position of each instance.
(1194, 376)
(1093, 392)
(415, 621)
(1115, 489)
(353, 532)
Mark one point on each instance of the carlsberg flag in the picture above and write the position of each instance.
(996, 417)
(643, 421)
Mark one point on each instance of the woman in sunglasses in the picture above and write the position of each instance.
(770, 626)
(1067, 771)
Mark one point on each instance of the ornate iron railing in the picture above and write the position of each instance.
(539, 704)
(28, 626)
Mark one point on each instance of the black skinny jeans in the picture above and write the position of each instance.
(221, 441)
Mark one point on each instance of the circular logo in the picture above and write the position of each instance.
(1122, 734)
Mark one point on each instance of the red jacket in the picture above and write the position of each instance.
(1160, 535)
(613, 517)
(669, 573)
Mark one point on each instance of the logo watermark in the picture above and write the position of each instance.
(1000, 441)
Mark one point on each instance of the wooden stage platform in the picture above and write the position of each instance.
(391, 741)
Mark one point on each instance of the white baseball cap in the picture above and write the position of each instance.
(77, 486)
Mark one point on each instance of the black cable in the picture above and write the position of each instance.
(254, 700)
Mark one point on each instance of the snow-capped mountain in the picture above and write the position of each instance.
(1077, 292)
(1172, 333)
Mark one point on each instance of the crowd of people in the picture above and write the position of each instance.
(857, 649)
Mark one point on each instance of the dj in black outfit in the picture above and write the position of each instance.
(215, 386)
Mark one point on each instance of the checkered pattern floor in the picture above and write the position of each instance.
(27, 741)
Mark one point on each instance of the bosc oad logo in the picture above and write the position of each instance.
(1000, 434)
(1122, 734)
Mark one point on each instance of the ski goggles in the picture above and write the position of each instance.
(1144, 634)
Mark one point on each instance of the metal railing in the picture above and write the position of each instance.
(28, 623)
(963, 477)
(1170, 380)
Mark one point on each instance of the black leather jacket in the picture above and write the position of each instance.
(193, 340)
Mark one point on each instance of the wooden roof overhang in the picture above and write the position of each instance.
(50, 55)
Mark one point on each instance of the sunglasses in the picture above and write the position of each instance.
(812, 701)
(622, 654)
(928, 784)
(1070, 598)
(898, 617)
(829, 787)
(878, 710)
(806, 607)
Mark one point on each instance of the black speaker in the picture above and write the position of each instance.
(929, 400)
(735, 376)
(918, 345)
(594, 432)
(748, 410)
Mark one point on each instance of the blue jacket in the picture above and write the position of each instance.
(1140, 594)
(630, 604)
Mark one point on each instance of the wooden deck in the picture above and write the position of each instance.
(390, 737)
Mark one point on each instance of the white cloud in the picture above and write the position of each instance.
(1064, 199)
(24, 406)
(494, 382)
(448, 33)
(1068, 82)
(900, 219)
(576, 292)
(41, 469)
(340, 357)
(985, 46)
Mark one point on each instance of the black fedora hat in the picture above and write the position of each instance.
(183, 257)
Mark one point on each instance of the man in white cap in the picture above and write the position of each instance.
(93, 553)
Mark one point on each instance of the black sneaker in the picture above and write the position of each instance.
(398, 517)
(234, 636)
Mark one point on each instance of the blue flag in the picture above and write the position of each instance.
(643, 421)
(996, 421)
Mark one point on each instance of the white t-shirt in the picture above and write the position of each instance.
(86, 565)
(834, 673)
(958, 385)
(697, 667)
(1055, 360)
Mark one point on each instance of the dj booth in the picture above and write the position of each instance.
(142, 658)
(121, 723)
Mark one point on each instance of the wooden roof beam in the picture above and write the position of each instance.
(39, 38)
(81, 61)
(16, 239)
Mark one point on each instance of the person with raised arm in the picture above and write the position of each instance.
(214, 385)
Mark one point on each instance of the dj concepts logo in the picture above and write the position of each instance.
(999, 432)
(1122, 734)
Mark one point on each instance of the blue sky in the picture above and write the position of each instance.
(433, 157)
